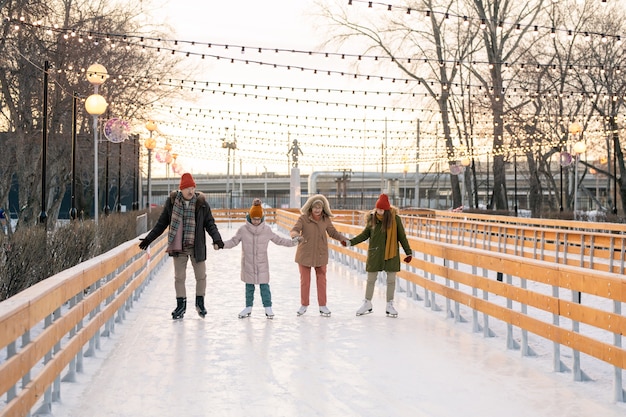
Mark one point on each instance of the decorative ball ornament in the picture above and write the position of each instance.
(580, 147)
(575, 128)
(456, 169)
(117, 130)
(97, 74)
(96, 105)
(150, 144)
(565, 159)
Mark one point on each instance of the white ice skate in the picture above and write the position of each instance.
(245, 312)
(391, 311)
(269, 313)
(301, 310)
(366, 308)
(324, 311)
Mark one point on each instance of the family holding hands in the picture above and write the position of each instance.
(188, 215)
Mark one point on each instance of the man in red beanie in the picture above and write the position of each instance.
(188, 215)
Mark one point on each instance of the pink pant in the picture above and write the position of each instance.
(305, 284)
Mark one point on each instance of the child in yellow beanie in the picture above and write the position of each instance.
(255, 236)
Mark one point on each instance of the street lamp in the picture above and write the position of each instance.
(229, 145)
(579, 148)
(96, 105)
(150, 144)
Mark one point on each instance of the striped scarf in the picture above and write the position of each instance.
(185, 214)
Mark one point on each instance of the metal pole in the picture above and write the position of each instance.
(95, 167)
(106, 207)
(417, 166)
(43, 217)
(149, 178)
(118, 207)
(515, 178)
(576, 187)
(73, 212)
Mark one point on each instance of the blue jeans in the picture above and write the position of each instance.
(266, 295)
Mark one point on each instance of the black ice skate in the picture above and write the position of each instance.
(181, 307)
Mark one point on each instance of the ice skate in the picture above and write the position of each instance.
(245, 312)
(301, 310)
(366, 308)
(181, 307)
(324, 311)
(269, 313)
(200, 306)
(391, 311)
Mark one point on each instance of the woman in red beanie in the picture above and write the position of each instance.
(384, 229)
(188, 215)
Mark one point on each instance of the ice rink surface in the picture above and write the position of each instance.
(419, 364)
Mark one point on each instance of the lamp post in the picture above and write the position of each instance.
(515, 182)
(150, 144)
(106, 209)
(96, 105)
(43, 217)
(73, 211)
(229, 145)
(579, 148)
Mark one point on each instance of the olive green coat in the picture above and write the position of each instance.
(377, 236)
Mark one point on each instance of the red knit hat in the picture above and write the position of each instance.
(186, 181)
(383, 202)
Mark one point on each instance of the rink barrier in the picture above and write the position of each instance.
(48, 329)
(494, 270)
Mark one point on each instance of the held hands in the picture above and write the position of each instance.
(408, 259)
(297, 239)
(218, 244)
(143, 244)
(346, 243)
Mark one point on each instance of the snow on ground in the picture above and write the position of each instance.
(420, 364)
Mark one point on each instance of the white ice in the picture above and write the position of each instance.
(419, 364)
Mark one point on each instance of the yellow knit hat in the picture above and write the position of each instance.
(256, 211)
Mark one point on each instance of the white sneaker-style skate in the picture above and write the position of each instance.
(324, 311)
(391, 311)
(245, 312)
(269, 313)
(366, 308)
(301, 310)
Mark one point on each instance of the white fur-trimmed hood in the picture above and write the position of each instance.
(307, 206)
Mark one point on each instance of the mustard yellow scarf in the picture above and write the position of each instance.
(391, 244)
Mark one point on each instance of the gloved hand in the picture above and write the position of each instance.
(297, 239)
(408, 259)
(219, 244)
(346, 243)
(143, 244)
(215, 247)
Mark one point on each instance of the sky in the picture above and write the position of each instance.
(421, 364)
(333, 129)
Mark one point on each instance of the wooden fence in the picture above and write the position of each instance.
(519, 271)
(544, 279)
(50, 327)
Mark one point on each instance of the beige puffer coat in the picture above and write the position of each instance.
(313, 249)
